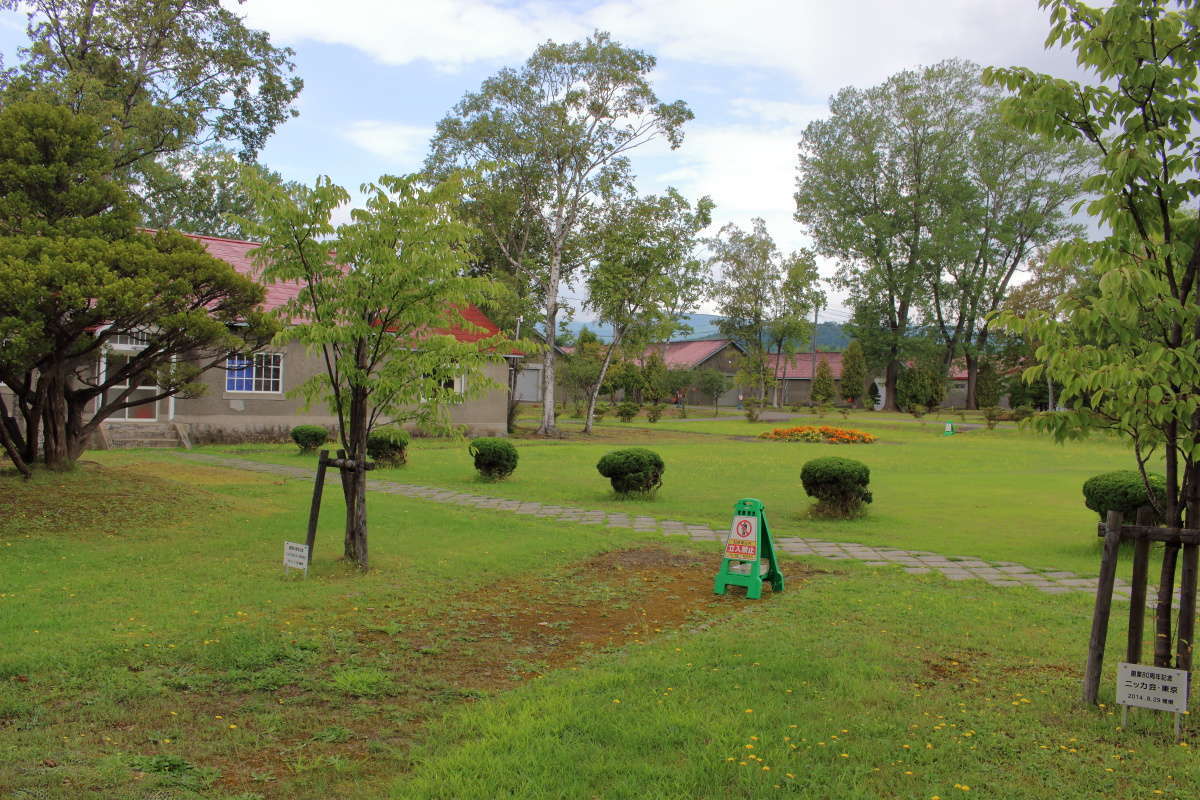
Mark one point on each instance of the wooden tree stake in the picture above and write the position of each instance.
(1104, 588)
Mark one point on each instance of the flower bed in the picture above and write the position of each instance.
(813, 433)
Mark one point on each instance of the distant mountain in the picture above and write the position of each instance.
(830, 336)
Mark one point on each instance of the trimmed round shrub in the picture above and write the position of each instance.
(838, 484)
(388, 446)
(309, 437)
(654, 412)
(494, 458)
(1122, 491)
(632, 470)
(627, 411)
(1022, 413)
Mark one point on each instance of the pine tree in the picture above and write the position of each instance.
(854, 373)
(822, 386)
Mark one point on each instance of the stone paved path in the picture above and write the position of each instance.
(917, 562)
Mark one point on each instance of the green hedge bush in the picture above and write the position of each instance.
(309, 437)
(632, 470)
(388, 446)
(1122, 491)
(654, 412)
(494, 458)
(838, 484)
(626, 411)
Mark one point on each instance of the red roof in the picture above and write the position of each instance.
(688, 355)
(239, 255)
(799, 367)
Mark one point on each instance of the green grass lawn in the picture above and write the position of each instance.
(1005, 495)
(153, 649)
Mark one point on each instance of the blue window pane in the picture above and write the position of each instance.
(240, 374)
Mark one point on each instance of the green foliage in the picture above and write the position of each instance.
(762, 296)
(176, 770)
(1021, 413)
(388, 446)
(922, 385)
(494, 458)
(1125, 355)
(753, 409)
(362, 681)
(823, 392)
(309, 437)
(838, 484)
(159, 78)
(854, 373)
(712, 383)
(918, 410)
(992, 415)
(634, 470)
(654, 412)
(938, 179)
(552, 157)
(198, 190)
(987, 386)
(654, 379)
(1125, 491)
(75, 274)
(627, 410)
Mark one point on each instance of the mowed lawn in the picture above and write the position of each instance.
(153, 648)
(1006, 495)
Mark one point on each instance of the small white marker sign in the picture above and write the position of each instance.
(1145, 686)
(295, 556)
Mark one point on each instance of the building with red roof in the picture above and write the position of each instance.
(248, 399)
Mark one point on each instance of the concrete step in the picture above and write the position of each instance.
(123, 443)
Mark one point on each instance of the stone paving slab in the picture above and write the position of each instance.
(915, 562)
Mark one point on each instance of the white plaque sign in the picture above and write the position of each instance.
(295, 555)
(1152, 687)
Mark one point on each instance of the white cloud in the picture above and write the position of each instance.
(397, 143)
(819, 44)
(445, 33)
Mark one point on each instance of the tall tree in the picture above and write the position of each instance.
(854, 373)
(645, 273)
(198, 191)
(1126, 355)
(1017, 187)
(556, 135)
(822, 384)
(162, 75)
(380, 298)
(760, 288)
(878, 187)
(76, 276)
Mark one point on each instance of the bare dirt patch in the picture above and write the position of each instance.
(489, 640)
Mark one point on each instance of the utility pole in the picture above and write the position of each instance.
(812, 373)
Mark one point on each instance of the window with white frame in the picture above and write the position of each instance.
(260, 372)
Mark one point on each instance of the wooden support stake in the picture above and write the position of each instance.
(314, 513)
(1104, 589)
(1137, 592)
(1187, 608)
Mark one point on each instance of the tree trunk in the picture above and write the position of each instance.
(595, 394)
(972, 380)
(889, 386)
(548, 424)
(354, 481)
(55, 445)
(11, 449)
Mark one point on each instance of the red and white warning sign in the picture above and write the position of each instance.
(742, 543)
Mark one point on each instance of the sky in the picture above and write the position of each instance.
(379, 74)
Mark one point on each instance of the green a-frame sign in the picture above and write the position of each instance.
(749, 557)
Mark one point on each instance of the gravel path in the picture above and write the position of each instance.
(916, 562)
